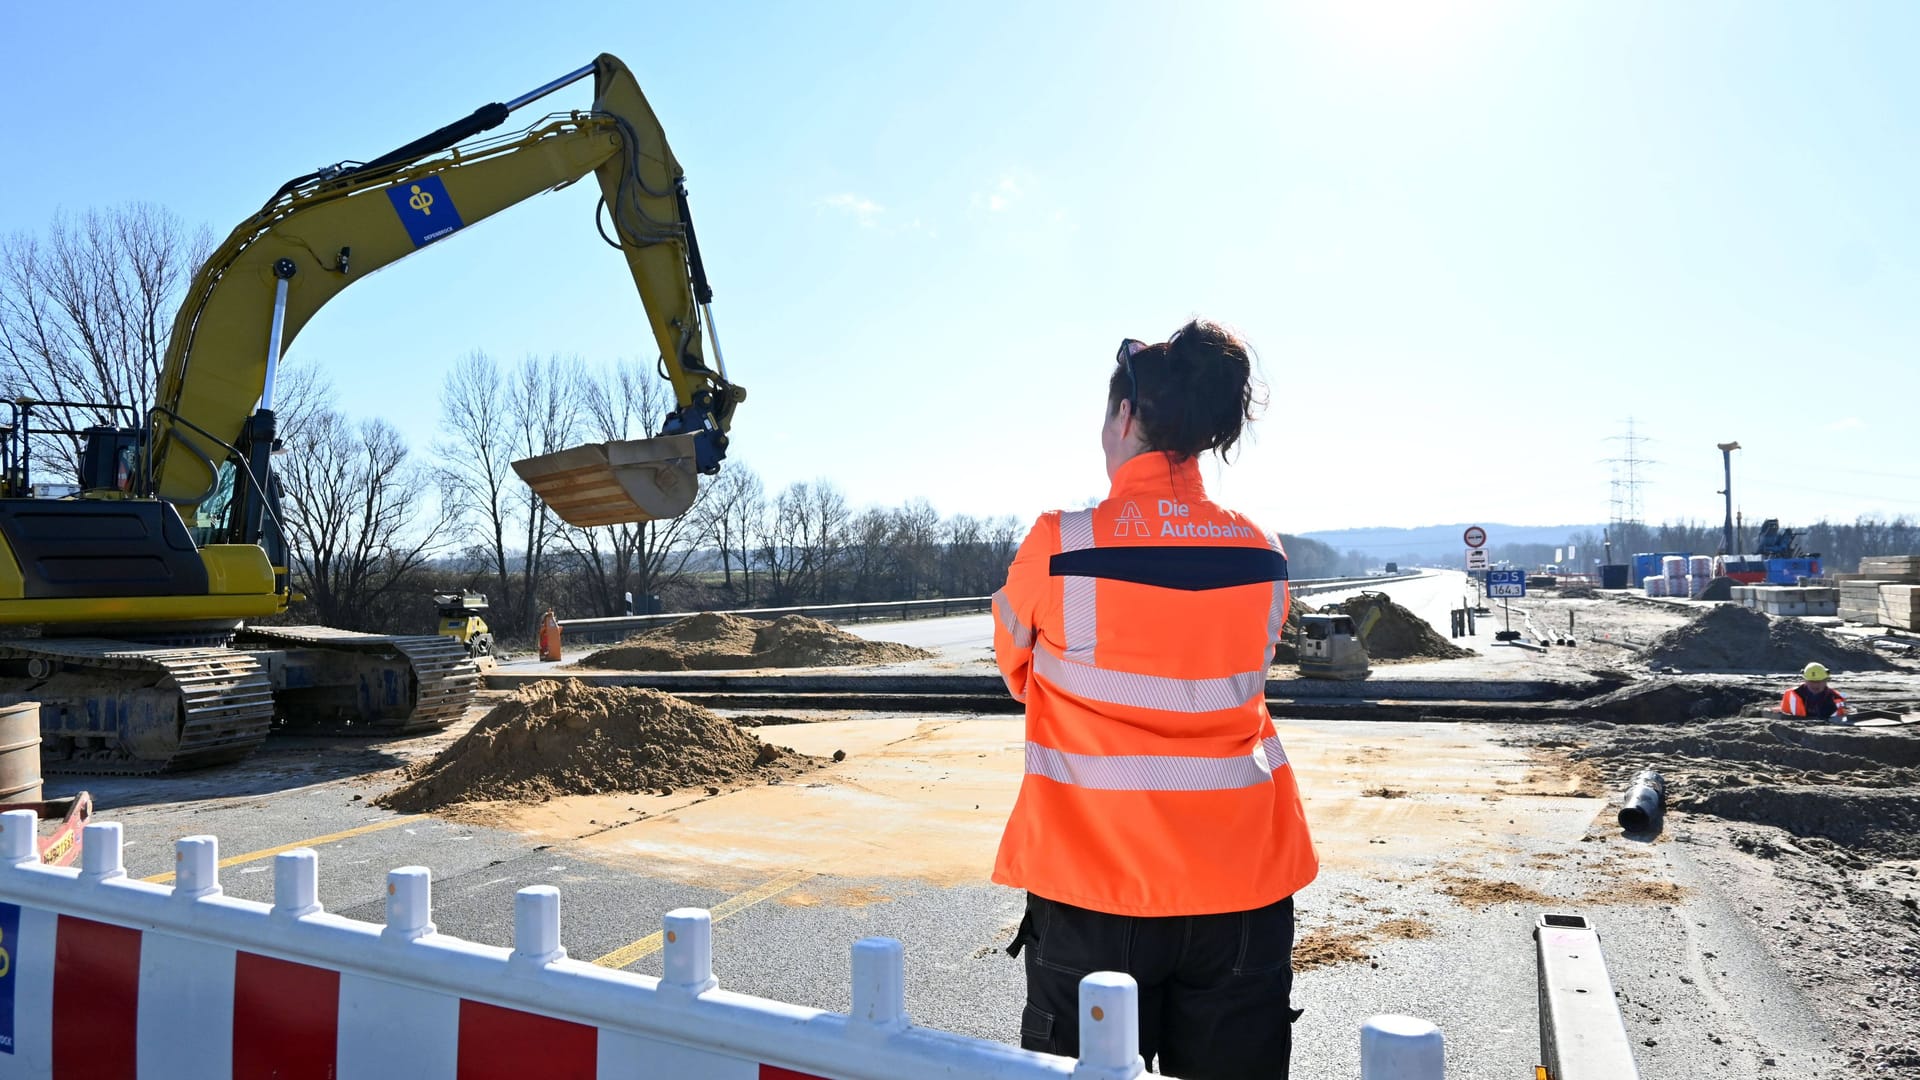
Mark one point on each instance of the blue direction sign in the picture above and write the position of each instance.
(1506, 583)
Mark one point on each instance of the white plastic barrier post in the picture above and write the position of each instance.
(687, 952)
(879, 985)
(196, 868)
(19, 836)
(100, 852)
(536, 926)
(1109, 1028)
(296, 883)
(409, 903)
(1401, 1048)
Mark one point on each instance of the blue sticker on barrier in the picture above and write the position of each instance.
(9, 948)
(425, 209)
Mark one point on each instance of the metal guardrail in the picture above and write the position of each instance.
(617, 627)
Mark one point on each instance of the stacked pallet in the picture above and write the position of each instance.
(1860, 601)
(1901, 568)
(1900, 606)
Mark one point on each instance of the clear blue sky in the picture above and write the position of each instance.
(1468, 240)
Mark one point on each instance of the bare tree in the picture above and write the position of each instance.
(730, 520)
(86, 311)
(801, 550)
(629, 402)
(545, 409)
(361, 518)
(476, 449)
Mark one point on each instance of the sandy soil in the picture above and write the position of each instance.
(1816, 828)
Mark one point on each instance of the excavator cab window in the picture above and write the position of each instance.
(210, 517)
(110, 459)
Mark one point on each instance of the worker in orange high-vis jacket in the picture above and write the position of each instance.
(1815, 697)
(1158, 830)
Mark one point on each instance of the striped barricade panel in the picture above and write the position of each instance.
(103, 978)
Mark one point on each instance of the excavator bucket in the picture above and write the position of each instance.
(612, 483)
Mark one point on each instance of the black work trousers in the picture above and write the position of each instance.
(1214, 989)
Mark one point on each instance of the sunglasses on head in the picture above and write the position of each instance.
(1124, 357)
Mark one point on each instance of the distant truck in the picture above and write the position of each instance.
(1393, 568)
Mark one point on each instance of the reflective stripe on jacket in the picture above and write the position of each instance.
(1800, 701)
(1139, 634)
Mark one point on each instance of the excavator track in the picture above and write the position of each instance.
(369, 684)
(122, 707)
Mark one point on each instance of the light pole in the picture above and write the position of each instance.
(1726, 459)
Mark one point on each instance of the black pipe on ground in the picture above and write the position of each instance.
(1645, 800)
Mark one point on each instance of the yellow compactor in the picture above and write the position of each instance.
(145, 584)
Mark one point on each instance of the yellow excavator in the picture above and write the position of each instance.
(145, 660)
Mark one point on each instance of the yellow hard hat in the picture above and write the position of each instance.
(1815, 673)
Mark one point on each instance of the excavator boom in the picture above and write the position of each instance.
(324, 231)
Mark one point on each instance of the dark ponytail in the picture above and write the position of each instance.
(1193, 393)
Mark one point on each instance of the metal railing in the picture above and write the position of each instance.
(618, 627)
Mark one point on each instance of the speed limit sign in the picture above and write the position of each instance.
(1475, 536)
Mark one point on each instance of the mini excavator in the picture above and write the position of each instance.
(142, 582)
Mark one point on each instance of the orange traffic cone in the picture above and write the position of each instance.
(549, 637)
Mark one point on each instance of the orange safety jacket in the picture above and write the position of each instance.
(1795, 701)
(1139, 634)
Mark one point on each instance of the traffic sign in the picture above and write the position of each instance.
(1477, 558)
(1475, 536)
(1506, 583)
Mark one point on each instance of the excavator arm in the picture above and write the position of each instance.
(324, 231)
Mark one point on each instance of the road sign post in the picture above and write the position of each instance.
(1507, 585)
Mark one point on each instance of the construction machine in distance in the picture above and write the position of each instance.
(462, 617)
(145, 658)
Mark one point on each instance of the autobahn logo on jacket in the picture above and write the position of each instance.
(1173, 524)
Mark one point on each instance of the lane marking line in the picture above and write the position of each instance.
(733, 905)
(268, 853)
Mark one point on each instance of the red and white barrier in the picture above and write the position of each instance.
(106, 977)
(103, 977)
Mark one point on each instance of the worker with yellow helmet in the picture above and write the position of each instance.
(1815, 697)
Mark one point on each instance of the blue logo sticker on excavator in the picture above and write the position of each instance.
(425, 209)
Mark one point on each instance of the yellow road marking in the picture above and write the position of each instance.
(733, 905)
(268, 853)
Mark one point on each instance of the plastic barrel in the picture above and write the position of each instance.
(20, 752)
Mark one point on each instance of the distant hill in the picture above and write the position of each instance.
(1442, 541)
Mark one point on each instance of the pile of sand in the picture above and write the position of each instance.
(567, 738)
(1728, 638)
(1397, 633)
(711, 641)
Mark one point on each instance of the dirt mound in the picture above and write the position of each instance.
(711, 641)
(1391, 632)
(1670, 701)
(1728, 638)
(1720, 588)
(567, 738)
(1855, 787)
